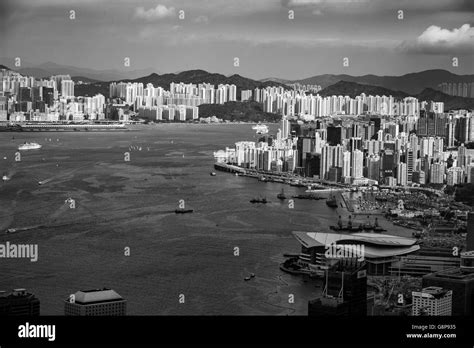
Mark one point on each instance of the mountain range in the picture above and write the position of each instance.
(48, 69)
(412, 83)
(189, 76)
(421, 85)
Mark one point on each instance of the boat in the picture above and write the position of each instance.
(252, 275)
(260, 128)
(29, 146)
(247, 278)
(5, 177)
(331, 201)
(281, 195)
(348, 228)
(259, 200)
(183, 211)
(213, 174)
(310, 196)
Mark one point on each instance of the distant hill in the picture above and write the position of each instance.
(202, 76)
(276, 79)
(353, 89)
(412, 83)
(189, 76)
(4, 67)
(450, 102)
(83, 79)
(47, 69)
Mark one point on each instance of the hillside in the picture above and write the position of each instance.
(450, 102)
(238, 111)
(353, 89)
(412, 83)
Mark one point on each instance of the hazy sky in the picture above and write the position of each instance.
(259, 32)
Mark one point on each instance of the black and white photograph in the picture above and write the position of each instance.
(237, 161)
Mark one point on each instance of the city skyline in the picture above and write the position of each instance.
(267, 38)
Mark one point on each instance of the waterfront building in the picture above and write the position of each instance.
(97, 302)
(379, 251)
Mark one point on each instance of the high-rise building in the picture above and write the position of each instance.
(458, 279)
(345, 291)
(96, 302)
(19, 302)
(67, 88)
(432, 301)
(357, 164)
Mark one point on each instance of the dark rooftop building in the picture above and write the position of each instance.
(19, 302)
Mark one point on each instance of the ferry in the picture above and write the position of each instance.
(260, 128)
(29, 146)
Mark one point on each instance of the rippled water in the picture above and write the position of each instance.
(120, 204)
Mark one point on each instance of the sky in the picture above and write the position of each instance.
(288, 39)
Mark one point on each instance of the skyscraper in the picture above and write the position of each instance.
(433, 301)
(67, 88)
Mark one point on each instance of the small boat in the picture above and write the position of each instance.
(183, 211)
(29, 146)
(213, 174)
(247, 278)
(5, 178)
(331, 202)
(259, 200)
(252, 275)
(260, 128)
(281, 195)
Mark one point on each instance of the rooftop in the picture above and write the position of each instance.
(375, 245)
(96, 295)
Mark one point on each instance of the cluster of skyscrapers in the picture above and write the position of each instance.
(427, 147)
(180, 102)
(25, 98)
(309, 107)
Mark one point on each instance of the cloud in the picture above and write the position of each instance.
(159, 12)
(202, 19)
(436, 40)
(380, 6)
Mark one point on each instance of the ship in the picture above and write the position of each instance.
(331, 201)
(5, 177)
(260, 128)
(259, 200)
(29, 146)
(213, 174)
(183, 211)
(281, 195)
